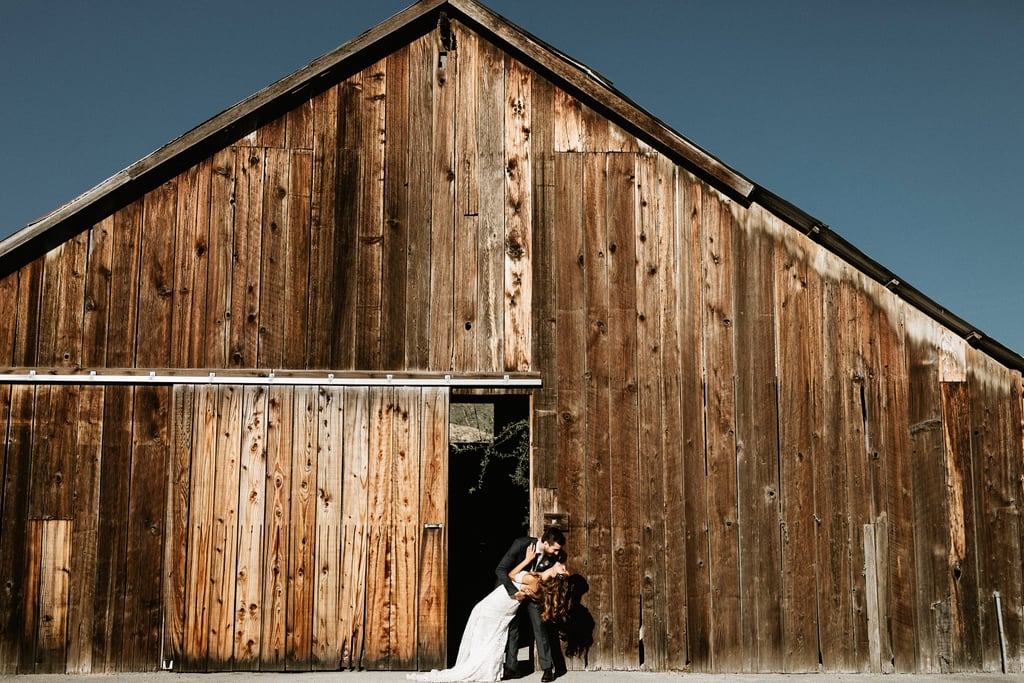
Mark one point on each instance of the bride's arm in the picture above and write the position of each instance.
(530, 554)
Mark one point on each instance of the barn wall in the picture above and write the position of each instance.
(770, 462)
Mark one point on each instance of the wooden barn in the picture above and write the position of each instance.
(228, 374)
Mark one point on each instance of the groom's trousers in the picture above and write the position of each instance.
(540, 635)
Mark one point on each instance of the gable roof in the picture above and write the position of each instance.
(590, 87)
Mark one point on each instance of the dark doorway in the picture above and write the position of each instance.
(488, 497)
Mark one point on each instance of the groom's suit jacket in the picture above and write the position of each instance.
(513, 556)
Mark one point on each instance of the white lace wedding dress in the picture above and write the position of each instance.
(482, 649)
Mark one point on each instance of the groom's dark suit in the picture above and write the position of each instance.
(513, 556)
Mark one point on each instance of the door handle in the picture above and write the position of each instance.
(433, 525)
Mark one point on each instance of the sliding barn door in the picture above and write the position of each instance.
(307, 528)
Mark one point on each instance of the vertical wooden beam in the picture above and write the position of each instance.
(302, 573)
(247, 246)
(422, 65)
(224, 529)
(493, 69)
(380, 511)
(623, 449)
(328, 551)
(322, 303)
(694, 454)
(598, 404)
(442, 206)
(298, 260)
(189, 313)
(272, 339)
(183, 426)
(354, 519)
(651, 485)
(798, 292)
(221, 264)
(720, 366)
(757, 440)
(395, 250)
(369, 231)
(278, 519)
(249, 604)
(431, 606)
(405, 483)
(519, 251)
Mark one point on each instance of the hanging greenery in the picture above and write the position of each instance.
(511, 444)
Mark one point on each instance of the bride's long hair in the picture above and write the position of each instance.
(556, 599)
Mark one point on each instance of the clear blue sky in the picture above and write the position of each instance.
(898, 123)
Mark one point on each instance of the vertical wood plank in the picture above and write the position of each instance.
(491, 169)
(97, 294)
(201, 516)
(302, 574)
(370, 229)
(52, 483)
(276, 526)
(224, 529)
(798, 292)
(757, 441)
(396, 211)
(191, 265)
(26, 331)
(694, 454)
(219, 320)
(354, 519)
(272, 339)
(897, 600)
(111, 570)
(405, 554)
(835, 620)
(156, 281)
(81, 608)
(651, 486)
(247, 234)
(623, 452)
(966, 608)
(322, 226)
(518, 218)
(147, 482)
(54, 593)
(442, 207)
(28, 637)
(299, 127)
(467, 278)
(719, 362)
(598, 406)
(340, 280)
(176, 522)
(544, 342)
(9, 303)
(570, 358)
(61, 304)
(327, 555)
(422, 64)
(431, 608)
(252, 498)
(297, 260)
(672, 245)
(380, 521)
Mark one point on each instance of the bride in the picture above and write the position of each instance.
(482, 649)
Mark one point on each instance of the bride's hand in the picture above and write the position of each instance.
(531, 553)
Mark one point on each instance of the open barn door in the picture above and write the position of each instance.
(307, 528)
(489, 495)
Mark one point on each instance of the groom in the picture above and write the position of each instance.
(547, 547)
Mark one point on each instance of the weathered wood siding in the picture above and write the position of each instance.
(770, 461)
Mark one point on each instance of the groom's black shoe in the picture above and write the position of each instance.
(509, 674)
(549, 675)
